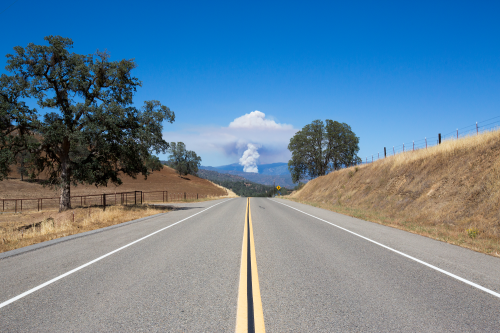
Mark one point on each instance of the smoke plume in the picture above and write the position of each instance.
(250, 158)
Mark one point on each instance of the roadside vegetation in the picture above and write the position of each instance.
(19, 230)
(184, 161)
(449, 192)
(319, 148)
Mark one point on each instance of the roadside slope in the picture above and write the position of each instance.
(164, 180)
(449, 192)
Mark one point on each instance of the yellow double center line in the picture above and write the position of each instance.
(250, 317)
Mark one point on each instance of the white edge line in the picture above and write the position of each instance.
(26, 293)
(470, 283)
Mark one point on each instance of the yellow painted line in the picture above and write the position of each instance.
(242, 312)
(257, 302)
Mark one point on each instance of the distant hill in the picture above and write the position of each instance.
(269, 174)
(237, 184)
(214, 176)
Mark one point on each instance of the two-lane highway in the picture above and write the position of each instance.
(184, 278)
(316, 277)
(188, 271)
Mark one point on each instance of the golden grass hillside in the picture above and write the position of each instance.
(164, 180)
(449, 192)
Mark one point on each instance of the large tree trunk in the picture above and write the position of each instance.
(65, 200)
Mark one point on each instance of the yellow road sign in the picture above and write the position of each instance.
(278, 187)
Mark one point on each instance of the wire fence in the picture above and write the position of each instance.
(475, 129)
(103, 200)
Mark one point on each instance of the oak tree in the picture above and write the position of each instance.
(320, 148)
(184, 161)
(90, 131)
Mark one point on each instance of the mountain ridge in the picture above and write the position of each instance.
(269, 174)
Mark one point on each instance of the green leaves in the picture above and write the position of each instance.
(319, 148)
(92, 132)
(184, 161)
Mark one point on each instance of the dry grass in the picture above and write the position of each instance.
(19, 230)
(449, 192)
(230, 193)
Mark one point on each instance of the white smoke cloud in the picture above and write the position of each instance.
(250, 158)
(219, 145)
(257, 120)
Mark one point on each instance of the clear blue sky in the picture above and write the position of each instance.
(394, 71)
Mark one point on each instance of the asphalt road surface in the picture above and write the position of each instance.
(179, 272)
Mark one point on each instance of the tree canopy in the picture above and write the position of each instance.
(319, 148)
(91, 131)
(184, 161)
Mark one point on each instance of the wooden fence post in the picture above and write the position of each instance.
(385, 153)
(104, 202)
(439, 138)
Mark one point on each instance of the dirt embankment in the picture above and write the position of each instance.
(165, 180)
(450, 192)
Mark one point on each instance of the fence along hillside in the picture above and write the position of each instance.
(427, 142)
(160, 186)
(103, 200)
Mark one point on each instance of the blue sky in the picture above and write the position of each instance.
(395, 72)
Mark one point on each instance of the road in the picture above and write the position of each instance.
(188, 271)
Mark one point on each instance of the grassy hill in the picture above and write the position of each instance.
(165, 180)
(449, 192)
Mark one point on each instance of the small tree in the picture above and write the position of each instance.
(92, 131)
(185, 162)
(153, 163)
(23, 159)
(319, 148)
